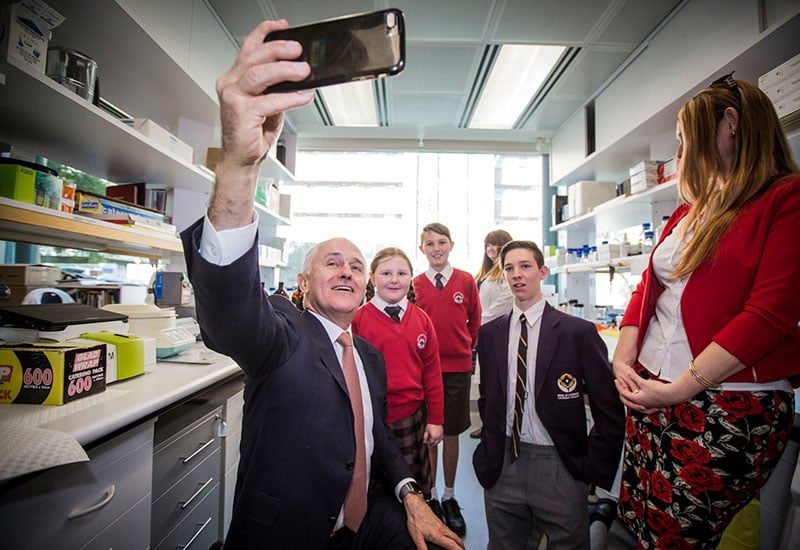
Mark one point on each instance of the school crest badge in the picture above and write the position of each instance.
(567, 382)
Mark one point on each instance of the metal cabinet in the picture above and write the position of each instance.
(230, 396)
(87, 504)
(186, 472)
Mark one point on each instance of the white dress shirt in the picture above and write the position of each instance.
(447, 272)
(665, 349)
(532, 430)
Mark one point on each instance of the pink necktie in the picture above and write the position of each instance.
(355, 503)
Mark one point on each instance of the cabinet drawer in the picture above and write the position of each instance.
(198, 530)
(68, 506)
(184, 437)
(128, 532)
(181, 499)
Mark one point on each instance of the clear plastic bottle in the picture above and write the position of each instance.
(647, 242)
(660, 229)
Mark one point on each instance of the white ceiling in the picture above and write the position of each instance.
(445, 40)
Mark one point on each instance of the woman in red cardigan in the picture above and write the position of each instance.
(709, 347)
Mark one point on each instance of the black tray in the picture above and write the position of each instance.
(53, 317)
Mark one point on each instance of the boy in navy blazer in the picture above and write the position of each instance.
(537, 456)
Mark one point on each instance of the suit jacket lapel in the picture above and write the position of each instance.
(323, 345)
(548, 338)
(500, 339)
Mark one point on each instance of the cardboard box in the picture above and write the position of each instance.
(18, 182)
(608, 251)
(213, 154)
(14, 294)
(164, 139)
(34, 275)
(98, 205)
(783, 89)
(780, 73)
(788, 105)
(585, 195)
(26, 38)
(644, 166)
(668, 170)
(52, 373)
(647, 179)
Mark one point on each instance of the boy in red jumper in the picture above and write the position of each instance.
(405, 336)
(450, 297)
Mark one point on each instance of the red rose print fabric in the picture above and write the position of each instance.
(687, 471)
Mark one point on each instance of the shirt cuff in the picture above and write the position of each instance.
(397, 487)
(226, 246)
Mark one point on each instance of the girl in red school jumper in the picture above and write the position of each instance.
(406, 337)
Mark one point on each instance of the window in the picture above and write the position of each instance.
(379, 199)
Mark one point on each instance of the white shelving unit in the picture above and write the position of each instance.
(611, 163)
(43, 117)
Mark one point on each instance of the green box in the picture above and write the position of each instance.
(126, 348)
(18, 182)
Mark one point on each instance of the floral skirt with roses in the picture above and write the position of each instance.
(687, 471)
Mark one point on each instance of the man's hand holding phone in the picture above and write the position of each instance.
(251, 120)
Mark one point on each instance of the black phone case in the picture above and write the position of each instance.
(348, 48)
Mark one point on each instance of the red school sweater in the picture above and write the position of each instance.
(456, 313)
(411, 351)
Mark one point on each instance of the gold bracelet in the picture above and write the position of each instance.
(702, 380)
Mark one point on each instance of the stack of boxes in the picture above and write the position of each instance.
(782, 86)
(644, 175)
(17, 280)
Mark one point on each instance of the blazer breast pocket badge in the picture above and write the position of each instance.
(567, 384)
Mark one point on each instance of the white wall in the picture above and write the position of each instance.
(189, 33)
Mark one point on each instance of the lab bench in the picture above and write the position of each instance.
(149, 440)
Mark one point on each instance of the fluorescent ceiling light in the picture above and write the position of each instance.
(351, 104)
(517, 74)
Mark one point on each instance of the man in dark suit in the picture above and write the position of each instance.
(319, 467)
(535, 459)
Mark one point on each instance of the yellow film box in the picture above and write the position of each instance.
(51, 374)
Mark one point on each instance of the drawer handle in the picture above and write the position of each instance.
(197, 492)
(106, 499)
(198, 451)
(196, 534)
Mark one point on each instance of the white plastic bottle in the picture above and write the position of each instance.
(624, 246)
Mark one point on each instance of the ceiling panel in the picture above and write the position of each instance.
(553, 113)
(635, 20)
(549, 21)
(588, 71)
(445, 41)
(445, 20)
(436, 69)
(301, 12)
(240, 20)
(433, 110)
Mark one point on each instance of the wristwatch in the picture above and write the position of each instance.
(410, 488)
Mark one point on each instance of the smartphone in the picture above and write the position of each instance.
(355, 47)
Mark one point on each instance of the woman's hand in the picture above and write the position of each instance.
(625, 357)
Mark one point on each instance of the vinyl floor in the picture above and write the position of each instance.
(469, 494)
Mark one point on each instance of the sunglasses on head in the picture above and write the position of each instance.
(727, 80)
